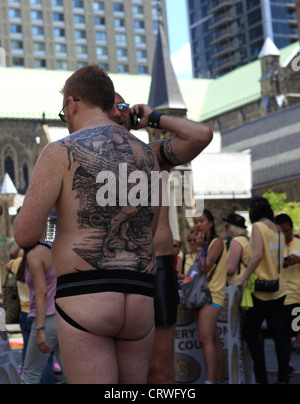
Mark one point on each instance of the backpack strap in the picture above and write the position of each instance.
(183, 262)
(216, 265)
(278, 251)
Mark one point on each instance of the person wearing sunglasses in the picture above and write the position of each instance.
(192, 252)
(178, 260)
(121, 113)
(103, 252)
(189, 140)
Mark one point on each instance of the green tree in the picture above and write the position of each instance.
(279, 205)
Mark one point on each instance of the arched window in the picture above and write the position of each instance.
(25, 176)
(9, 167)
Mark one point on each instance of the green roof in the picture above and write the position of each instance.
(28, 93)
(237, 88)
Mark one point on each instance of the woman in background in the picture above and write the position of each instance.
(212, 257)
(190, 256)
(239, 251)
(41, 279)
(267, 245)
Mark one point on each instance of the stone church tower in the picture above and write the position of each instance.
(21, 141)
(270, 80)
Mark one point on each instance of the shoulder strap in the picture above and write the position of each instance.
(239, 267)
(216, 265)
(183, 262)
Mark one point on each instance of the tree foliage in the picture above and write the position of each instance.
(279, 205)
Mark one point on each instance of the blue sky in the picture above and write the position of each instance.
(179, 37)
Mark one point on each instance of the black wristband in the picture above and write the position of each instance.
(154, 119)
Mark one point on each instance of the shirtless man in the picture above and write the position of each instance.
(103, 255)
(189, 140)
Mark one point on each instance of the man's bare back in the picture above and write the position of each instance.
(112, 241)
(99, 237)
(103, 252)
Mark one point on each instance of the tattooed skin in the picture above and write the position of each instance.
(118, 237)
(169, 152)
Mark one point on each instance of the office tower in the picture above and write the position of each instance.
(226, 34)
(119, 35)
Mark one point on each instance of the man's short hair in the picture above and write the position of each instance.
(283, 219)
(92, 85)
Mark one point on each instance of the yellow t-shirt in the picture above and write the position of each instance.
(189, 261)
(268, 267)
(217, 285)
(244, 243)
(292, 274)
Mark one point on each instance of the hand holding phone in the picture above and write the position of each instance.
(134, 120)
(140, 116)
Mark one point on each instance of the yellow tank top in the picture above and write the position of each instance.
(292, 274)
(217, 285)
(267, 269)
(245, 257)
(188, 261)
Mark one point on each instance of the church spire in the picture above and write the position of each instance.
(164, 93)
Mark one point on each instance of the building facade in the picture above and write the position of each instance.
(119, 35)
(226, 34)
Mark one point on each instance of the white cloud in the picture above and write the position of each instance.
(182, 62)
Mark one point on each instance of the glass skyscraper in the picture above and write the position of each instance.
(226, 34)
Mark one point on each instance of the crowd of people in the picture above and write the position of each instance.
(272, 254)
(271, 251)
(104, 295)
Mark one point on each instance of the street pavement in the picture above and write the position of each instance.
(272, 366)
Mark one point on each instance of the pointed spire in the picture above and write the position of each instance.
(164, 92)
(269, 49)
(7, 186)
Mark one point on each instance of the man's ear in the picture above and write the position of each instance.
(74, 106)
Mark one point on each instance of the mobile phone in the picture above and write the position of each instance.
(134, 120)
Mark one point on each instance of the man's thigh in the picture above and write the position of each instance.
(87, 358)
(133, 359)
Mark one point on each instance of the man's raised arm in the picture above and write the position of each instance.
(189, 140)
